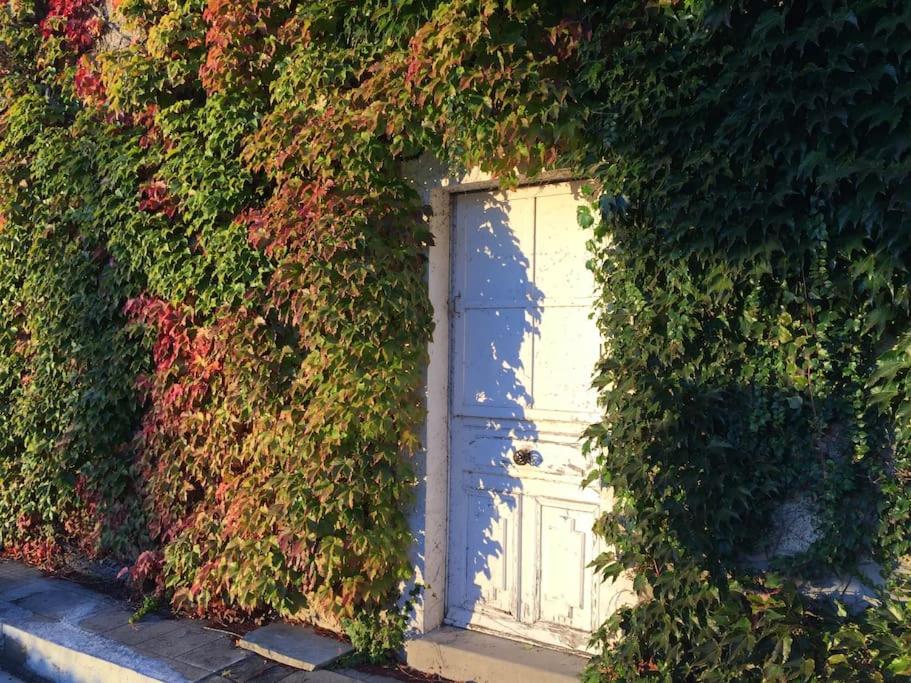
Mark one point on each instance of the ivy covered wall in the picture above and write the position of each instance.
(212, 279)
(216, 319)
(752, 245)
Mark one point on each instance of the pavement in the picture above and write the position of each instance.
(52, 627)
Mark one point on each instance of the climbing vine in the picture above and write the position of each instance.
(752, 249)
(213, 278)
(215, 313)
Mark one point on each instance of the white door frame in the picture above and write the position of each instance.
(432, 519)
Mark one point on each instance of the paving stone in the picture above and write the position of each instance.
(317, 677)
(9, 584)
(149, 627)
(255, 668)
(62, 603)
(14, 588)
(274, 674)
(214, 656)
(192, 673)
(180, 640)
(106, 620)
(15, 570)
(365, 677)
(297, 646)
(278, 672)
(11, 612)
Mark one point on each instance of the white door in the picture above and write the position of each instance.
(523, 352)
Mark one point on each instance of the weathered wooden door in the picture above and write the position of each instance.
(523, 351)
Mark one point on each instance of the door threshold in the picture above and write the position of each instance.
(521, 639)
(469, 655)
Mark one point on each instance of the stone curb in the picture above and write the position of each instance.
(61, 632)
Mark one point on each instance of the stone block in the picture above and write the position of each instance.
(181, 639)
(296, 646)
(215, 655)
(472, 656)
(106, 620)
(64, 603)
(149, 627)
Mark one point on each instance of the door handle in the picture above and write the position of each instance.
(523, 456)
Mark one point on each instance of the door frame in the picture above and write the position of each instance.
(434, 564)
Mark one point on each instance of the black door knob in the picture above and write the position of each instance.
(523, 456)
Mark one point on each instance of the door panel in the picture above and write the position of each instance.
(523, 350)
(567, 345)
(566, 588)
(486, 448)
(497, 373)
(502, 242)
(491, 571)
(560, 254)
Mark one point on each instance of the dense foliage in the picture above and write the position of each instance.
(215, 316)
(753, 247)
(212, 277)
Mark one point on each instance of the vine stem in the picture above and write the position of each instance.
(809, 371)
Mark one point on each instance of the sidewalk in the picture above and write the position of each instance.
(61, 631)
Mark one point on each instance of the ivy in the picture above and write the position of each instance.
(212, 283)
(751, 246)
(213, 279)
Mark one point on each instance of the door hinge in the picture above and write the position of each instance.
(454, 306)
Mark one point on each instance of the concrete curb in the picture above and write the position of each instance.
(27, 652)
(60, 632)
(63, 653)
